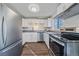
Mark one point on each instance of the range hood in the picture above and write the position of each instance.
(72, 11)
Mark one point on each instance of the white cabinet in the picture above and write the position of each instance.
(49, 23)
(67, 5)
(62, 7)
(46, 39)
(30, 37)
(34, 24)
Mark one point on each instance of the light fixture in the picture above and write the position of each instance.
(33, 7)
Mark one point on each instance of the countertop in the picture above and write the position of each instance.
(36, 31)
(32, 31)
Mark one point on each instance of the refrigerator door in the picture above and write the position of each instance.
(11, 27)
(13, 50)
(1, 29)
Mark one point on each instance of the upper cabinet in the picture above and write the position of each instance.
(49, 22)
(34, 24)
(62, 8)
(67, 5)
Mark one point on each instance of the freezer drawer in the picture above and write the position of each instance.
(13, 50)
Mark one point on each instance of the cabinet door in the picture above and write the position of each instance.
(34, 36)
(67, 5)
(26, 37)
(29, 37)
(60, 9)
(46, 39)
(49, 23)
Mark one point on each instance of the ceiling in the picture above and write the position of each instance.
(45, 9)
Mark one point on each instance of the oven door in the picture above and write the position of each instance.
(56, 48)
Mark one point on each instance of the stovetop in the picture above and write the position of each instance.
(66, 36)
(70, 35)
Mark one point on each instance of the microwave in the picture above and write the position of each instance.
(68, 29)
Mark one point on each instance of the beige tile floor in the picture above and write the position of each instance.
(35, 49)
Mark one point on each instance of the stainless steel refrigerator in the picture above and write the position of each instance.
(10, 32)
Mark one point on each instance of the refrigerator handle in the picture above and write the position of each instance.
(3, 29)
(5, 32)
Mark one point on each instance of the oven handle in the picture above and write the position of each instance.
(53, 39)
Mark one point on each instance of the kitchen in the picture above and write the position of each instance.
(40, 29)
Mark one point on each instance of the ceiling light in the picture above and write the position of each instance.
(33, 8)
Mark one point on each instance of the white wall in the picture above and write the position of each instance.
(72, 22)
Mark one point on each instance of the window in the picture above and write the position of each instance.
(58, 22)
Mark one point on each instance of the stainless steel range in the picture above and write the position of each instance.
(56, 46)
(66, 44)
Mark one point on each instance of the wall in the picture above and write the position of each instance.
(72, 22)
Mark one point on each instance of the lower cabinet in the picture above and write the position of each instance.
(46, 39)
(30, 37)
